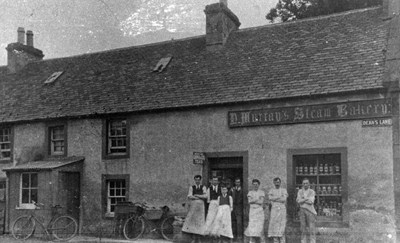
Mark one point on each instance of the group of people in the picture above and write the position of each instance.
(223, 218)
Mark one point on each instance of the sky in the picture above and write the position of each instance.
(64, 28)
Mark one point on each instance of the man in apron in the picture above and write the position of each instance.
(194, 222)
(213, 192)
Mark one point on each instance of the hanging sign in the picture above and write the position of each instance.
(198, 158)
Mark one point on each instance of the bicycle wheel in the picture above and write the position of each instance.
(167, 228)
(64, 228)
(23, 227)
(133, 228)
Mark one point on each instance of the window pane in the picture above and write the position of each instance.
(34, 180)
(5, 155)
(25, 196)
(25, 180)
(34, 195)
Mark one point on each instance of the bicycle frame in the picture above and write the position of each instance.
(42, 224)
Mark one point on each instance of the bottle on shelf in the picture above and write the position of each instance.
(340, 189)
(323, 191)
(321, 168)
(315, 169)
(337, 168)
(331, 169)
(335, 190)
(301, 169)
(297, 169)
(326, 168)
(328, 190)
(305, 169)
(311, 170)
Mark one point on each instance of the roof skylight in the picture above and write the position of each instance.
(53, 77)
(162, 64)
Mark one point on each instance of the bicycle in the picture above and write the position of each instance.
(135, 225)
(62, 227)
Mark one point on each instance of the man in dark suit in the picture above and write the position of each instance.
(237, 213)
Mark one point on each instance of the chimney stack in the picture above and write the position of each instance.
(390, 8)
(220, 22)
(225, 2)
(19, 54)
(29, 38)
(21, 35)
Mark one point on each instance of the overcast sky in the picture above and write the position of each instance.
(70, 27)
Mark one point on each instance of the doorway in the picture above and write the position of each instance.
(69, 193)
(227, 166)
(227, 169)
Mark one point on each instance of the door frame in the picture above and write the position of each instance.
(245, 158)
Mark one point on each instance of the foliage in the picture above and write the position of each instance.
(288, 10)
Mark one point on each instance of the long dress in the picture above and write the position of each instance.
(194, 221)
(256, 214)
(222, 224)
(277, 222)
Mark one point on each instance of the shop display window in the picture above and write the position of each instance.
(327, 174)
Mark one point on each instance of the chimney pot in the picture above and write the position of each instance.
(225, 2)
(21, 35)
(29, 38)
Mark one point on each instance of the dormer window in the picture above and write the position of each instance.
(53, 77)
(162, 64)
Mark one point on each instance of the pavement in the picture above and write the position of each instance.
(80, 239)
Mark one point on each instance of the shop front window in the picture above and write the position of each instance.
(326, 170)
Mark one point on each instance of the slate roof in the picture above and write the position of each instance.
(324, 55)
(46, 164)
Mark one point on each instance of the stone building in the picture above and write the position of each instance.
(314, 98)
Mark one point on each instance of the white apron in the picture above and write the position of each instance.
(222, 225)
(194, 221)
(212, 213)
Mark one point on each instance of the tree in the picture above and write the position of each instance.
(288, 10)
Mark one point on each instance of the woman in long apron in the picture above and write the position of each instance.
(255, 197)
(277, 222)
(194, 221)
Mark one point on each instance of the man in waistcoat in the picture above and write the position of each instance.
(213, 192)
(237, 213)
(194, 221)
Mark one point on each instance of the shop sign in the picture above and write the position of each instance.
(198, 158)
(350, 110)
(378, 122)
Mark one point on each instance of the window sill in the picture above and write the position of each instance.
(26, 206)
(116, 156)
(109, 215)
